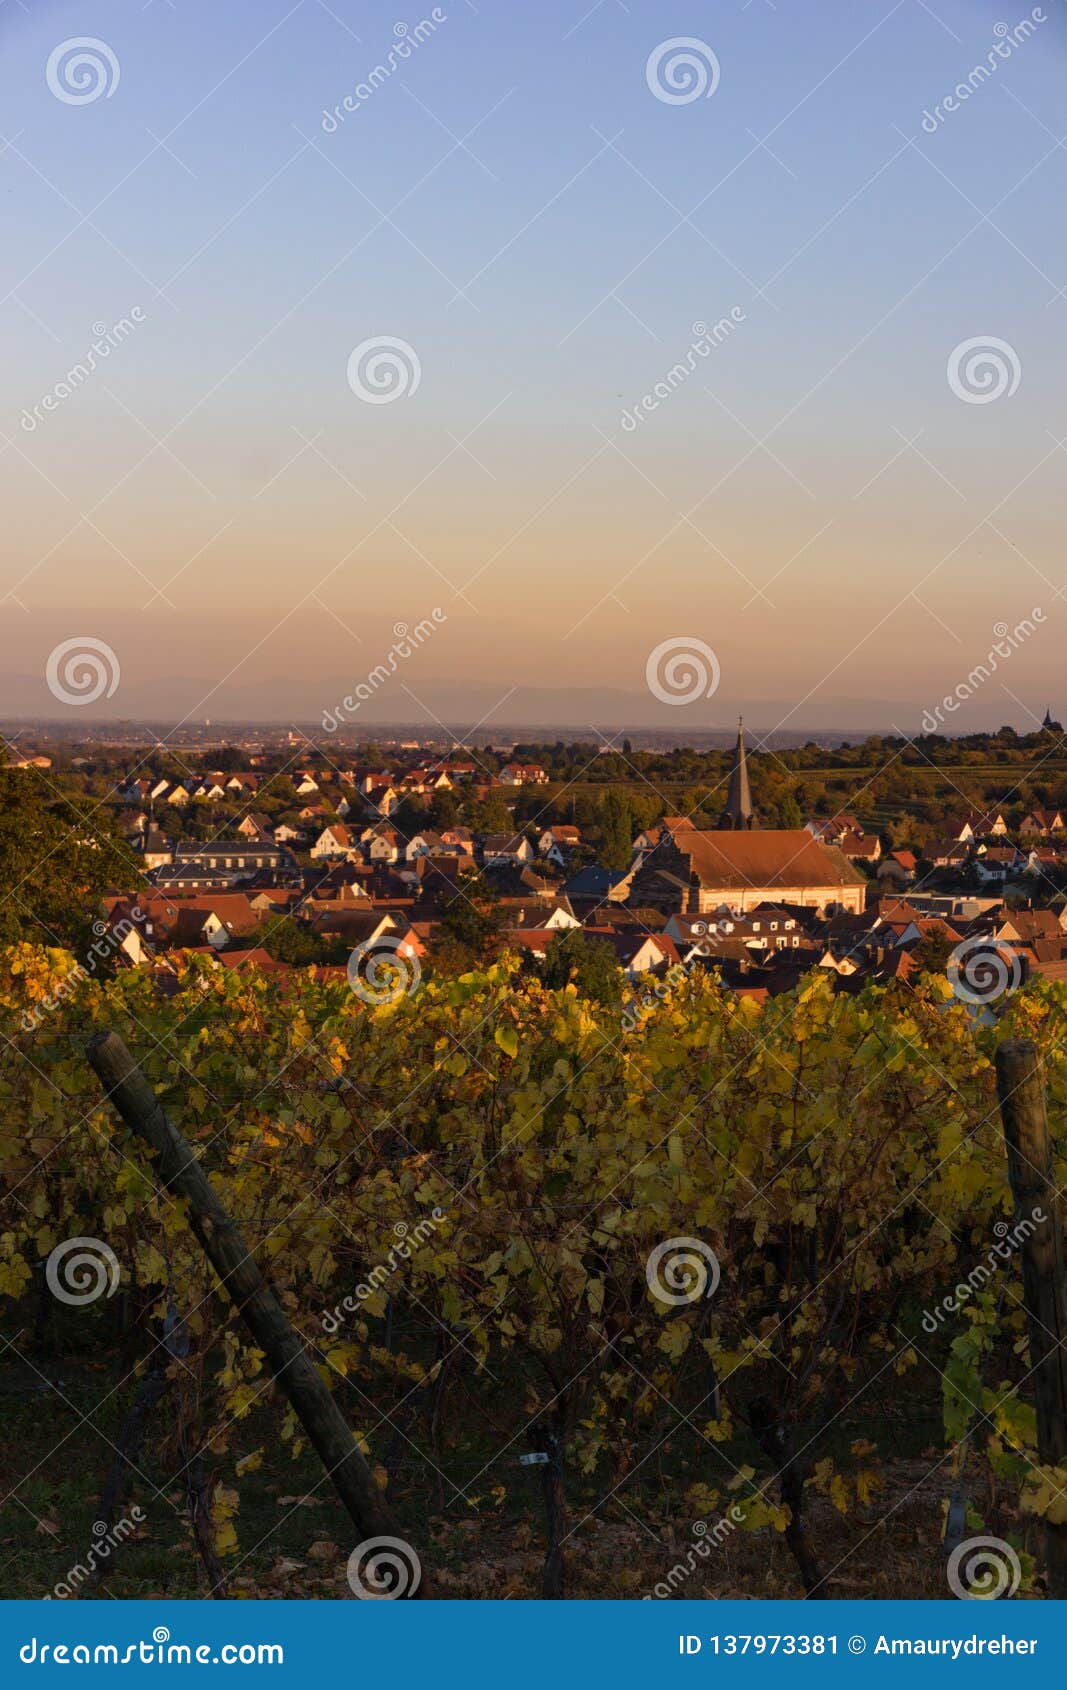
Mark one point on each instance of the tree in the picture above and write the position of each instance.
(58, 858)
(616, 830)
(469, 931)
(932, 952)
(444, 810)
(589, 964)
(491, 815)
(290, 941)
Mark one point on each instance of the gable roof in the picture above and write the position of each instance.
(1027, 925)
(782, 856)
(593, 881)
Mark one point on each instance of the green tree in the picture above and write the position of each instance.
(58, 858)
(933, 951)
(444, 810)
(290, 941)
(616, 830)
(469, 931)
(589, 964)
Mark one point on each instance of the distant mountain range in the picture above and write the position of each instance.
(488, 710)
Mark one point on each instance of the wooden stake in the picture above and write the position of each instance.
(243, 1283)
(1021, 1091)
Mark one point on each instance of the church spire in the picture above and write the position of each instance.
(738, 812)
(1048, 722)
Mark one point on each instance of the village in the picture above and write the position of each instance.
(345, 871)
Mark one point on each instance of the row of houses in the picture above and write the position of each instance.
(385, 787)
(378, 843)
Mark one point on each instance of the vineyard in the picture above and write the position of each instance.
(724, 1299)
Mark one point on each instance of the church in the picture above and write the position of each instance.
(694, 871)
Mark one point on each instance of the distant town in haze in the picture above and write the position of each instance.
(625, 861)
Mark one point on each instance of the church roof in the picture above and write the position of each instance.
(772, 857)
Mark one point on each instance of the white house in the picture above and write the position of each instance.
(978, 825)
(384, 799)
(424, 845)
(334, 841)
(503, 849)
(556, 843)
(384, 848)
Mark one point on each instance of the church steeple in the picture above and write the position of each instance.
(1048, 722)
(738, 812)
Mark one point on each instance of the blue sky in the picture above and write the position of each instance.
(515, 204)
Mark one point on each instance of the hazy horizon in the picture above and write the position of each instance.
(605, 713)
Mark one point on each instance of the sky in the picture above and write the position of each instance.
(527, 216)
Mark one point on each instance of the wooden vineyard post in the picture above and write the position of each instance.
(1021, 1091)
(243, 1283)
